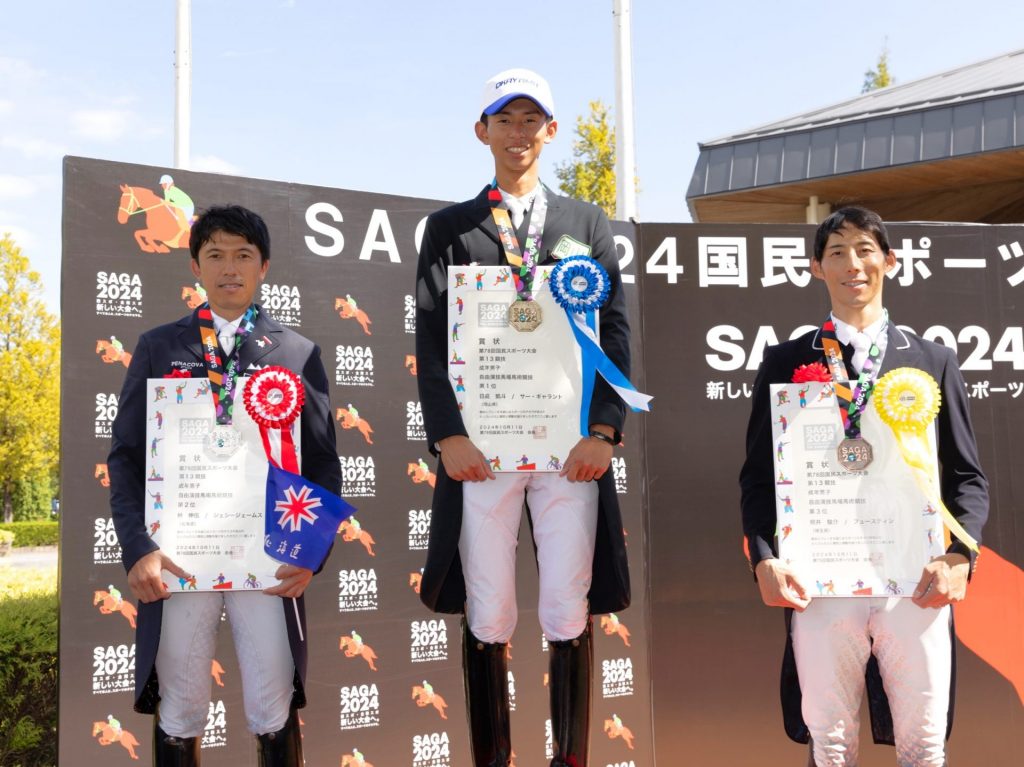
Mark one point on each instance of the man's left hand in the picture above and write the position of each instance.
(589, 459)
(293, 581)
(943, 581)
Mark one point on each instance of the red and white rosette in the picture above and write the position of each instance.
(273, 398)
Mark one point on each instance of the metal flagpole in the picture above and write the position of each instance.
(625, 149)
(182, 83)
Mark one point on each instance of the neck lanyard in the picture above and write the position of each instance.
(526, 259)
(223, 380)
(852, 403)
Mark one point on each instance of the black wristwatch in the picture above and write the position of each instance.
(602, 436)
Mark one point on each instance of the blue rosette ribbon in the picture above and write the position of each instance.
(580, 285)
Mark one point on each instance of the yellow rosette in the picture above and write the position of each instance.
(907, 400)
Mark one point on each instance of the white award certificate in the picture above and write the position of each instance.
(205, 488)
(847, 533)
(519, 391)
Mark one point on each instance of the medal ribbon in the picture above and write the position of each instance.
(851, 403)
(223, 379)
(526, 259)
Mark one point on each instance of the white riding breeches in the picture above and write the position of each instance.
(188, 637)
(832, 640)
(564, 518)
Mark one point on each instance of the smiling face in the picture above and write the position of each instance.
(230, 269)
(516, 135)
(853, 267)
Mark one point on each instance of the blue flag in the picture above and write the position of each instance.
(302, 519)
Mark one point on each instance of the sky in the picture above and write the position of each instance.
(382, 96)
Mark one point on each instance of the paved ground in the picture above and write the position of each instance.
(31, 556)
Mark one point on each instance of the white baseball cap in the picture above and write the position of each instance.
(514, 84)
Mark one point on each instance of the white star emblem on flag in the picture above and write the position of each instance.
(296, 508)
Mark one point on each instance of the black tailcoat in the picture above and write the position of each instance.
(963, 485)
(177, 346)
(462, 234)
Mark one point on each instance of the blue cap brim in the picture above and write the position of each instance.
(498, 105)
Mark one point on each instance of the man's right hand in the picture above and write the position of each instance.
(144, 578)
(463, 461)
(779, 585)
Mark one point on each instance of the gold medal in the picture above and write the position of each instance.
(524, 316)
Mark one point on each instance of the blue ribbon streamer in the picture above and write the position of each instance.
(581, 305)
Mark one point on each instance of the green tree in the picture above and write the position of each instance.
(880, 76)
(590, 175)
(30, 381)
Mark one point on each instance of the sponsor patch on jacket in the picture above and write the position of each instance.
(567, 246)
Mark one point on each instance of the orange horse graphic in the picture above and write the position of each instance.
(614, 728)
(110, 604)
(355, 647)
(415, 579)
(419, 474)
(410, 363)
(192, 297)
(346, 311)
(217, 672)
(102, 475)
(425, 697)
(610, 624)
(165, 225)
(351, 530)
(110, 353)
(108, 735)
(349, 421)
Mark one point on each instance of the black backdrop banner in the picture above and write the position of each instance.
(342, 272)
(692, 667)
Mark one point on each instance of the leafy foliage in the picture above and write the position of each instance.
(30, 387)
(28, 674)
(35, 533)
(880, 76)
(590, 176)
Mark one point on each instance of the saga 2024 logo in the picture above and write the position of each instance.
(360, 707)
(353, 365)
(283, 302)
(118, 294)
(428, 640)
(357, 590)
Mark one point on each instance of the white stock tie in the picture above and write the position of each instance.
(227, 341)
(861, 346)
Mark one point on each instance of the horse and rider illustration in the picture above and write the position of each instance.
(424, 696)
(347, 310)
(349, 418)
(167, 220)
(353, 646)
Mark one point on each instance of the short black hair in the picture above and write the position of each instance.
(855, 217)
(233, 219)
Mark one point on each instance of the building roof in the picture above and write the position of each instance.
(968, 111)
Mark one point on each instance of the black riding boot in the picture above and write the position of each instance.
(282, 748)
(485, 669)
(169, 751)
(571, 665)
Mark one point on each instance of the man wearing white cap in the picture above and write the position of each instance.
(577, 527)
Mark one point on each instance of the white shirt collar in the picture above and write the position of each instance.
(220, 324)
(525, 201)
(845, 332)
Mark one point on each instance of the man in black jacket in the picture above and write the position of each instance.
(834, 642)
(476, 513)
(175, 639)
